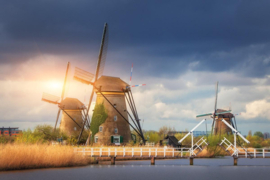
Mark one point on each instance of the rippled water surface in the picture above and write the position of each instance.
(164, 169)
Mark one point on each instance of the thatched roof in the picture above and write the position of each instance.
(173, 140)
(71, 104)
(109, 84)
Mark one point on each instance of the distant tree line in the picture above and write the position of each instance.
(45, 134)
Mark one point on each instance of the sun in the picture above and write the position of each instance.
(54, 85)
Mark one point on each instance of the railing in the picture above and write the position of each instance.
(198, 145)
(134, 152)
(254, 152)
(152, 144)
(245, 152)
(230, 146)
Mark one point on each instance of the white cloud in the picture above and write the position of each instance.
(257, 109)
(163, 101)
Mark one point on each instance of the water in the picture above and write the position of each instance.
(164, 169)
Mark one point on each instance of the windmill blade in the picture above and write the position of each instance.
(215, 108)
(138, 85)
(62, 95)
(131, 74)
(232, 123)
(99, 68)
(235, 123)
(213, 124)
(86, 116)
(202, 115)
(102, 53)
(224, 112)
(83, 76)
(50, 98)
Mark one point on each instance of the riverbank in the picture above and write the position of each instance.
(33, 156)
(19, 156)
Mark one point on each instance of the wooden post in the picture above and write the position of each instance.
(95, 159)
(153, 160)
(235, 158)
(112, 160)
(191, 160)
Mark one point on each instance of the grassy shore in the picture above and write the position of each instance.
(23, 156)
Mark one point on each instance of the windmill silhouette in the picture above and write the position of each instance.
(73, 111)
(217, 126)
(114, 93)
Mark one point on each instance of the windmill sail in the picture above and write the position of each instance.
(83, 76)
(50, 98)
(62, 95)
(99, 70)
(210, 114)
(215, 109)
(130, 86)
(102, 52)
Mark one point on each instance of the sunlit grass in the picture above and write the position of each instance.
(29, 156)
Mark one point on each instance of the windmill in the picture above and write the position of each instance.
(111, 92)
(73, 111)
(217, 117)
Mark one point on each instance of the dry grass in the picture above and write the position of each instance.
(22, 156)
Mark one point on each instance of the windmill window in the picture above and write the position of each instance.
(115, 130)
(115, 118)
(75, 128)
(116, 140)
(96, 139)
(100, 129)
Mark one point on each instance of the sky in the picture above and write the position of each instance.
(180, 49)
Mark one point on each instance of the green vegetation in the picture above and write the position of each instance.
(259, 134)
(43, 134)
(98, 118)
(257, 140)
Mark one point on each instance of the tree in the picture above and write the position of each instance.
(259, 134)
(250, 133)
(164, 130)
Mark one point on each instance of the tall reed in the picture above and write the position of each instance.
(28, 156)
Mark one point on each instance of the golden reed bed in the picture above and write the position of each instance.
(22, 156)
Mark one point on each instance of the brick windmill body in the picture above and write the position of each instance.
(220, 127)
(114, 129)
(73, 108)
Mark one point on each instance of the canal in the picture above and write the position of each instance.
(220, 168)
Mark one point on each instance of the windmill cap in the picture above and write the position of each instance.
(72, 104)
(109, 84)
(226, 115)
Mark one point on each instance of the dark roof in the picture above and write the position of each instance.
(173, 139)
(72, 104)
(9, 128)
(109, 83)
(226, 115)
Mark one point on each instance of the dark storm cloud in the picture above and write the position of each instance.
(165, 36)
